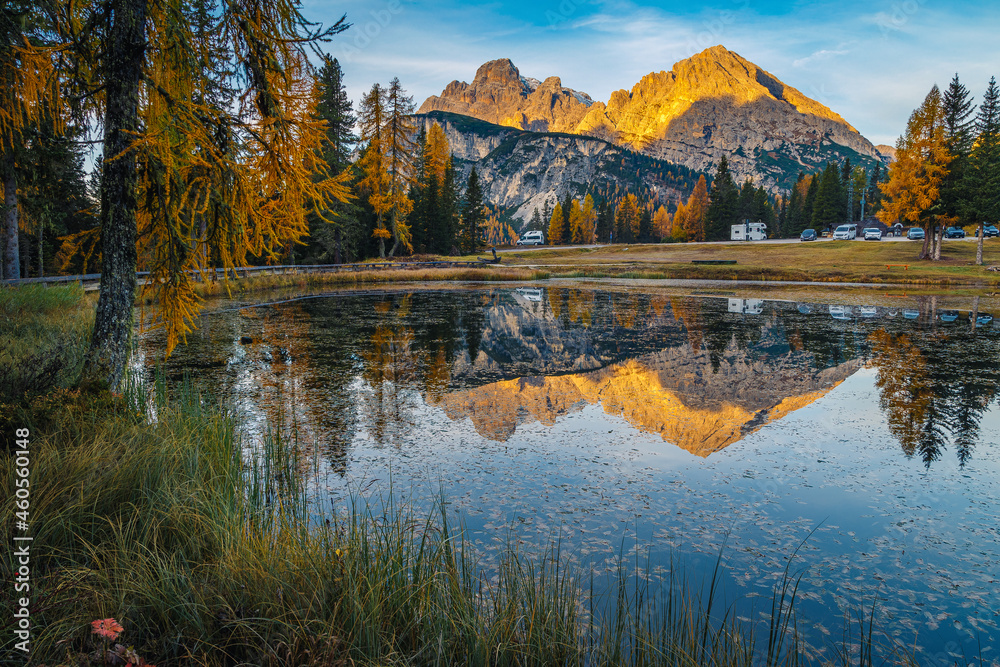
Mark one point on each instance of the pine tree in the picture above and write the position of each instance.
(645, 224)
(605, 222)
(958, 138)
(341, 236)
(828, 206)
(982, 178)
(399, 153)
(809, 201)
(723, 207)
(873, 199)
(473, 215)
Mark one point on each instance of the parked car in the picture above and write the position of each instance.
(954, 233)
(915, 233)
(531, 238)
(982, 318)
(873, 234)
(845, 232)
(808, 235)
(988, 231)
(948, 315)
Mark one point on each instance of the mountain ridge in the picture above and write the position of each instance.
(712, 104)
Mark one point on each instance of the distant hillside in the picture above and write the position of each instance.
(522, 170)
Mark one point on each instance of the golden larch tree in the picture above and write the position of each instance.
(696, 210)
(912, 192)
(556, 224)
(661, 222)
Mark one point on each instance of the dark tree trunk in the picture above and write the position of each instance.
(41, 249)
(337, 258)
(979, 244)
(11, 259)
(110, 345)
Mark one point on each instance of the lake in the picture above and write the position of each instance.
(852, 437)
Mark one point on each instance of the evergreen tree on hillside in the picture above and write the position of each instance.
(341, 238)
(473, 216)
(982, 178)
(605, 222)
(745, 208)
(809, 201)
(723, 201)
(793, 221)
(535, 224)
(958, 138)
(645, 225)
(873, 198)
(828, 206)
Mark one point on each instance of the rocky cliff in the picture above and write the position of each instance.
(522, 170)
(499, 94)
(713, 104)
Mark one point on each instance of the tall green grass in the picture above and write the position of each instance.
(43, 339)
(149, 510)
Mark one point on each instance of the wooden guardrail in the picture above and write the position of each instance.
(245, 271)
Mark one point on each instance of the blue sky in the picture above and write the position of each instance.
(872, 62)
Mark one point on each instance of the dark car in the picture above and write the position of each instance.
(988, 231)
(808, 235)
(954, 233)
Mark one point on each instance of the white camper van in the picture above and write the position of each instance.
(749, 231)
(531, 238)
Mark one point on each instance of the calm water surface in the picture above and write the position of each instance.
(627, 422)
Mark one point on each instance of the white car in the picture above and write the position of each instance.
(873, 234)
(531, 238)
(845, 232)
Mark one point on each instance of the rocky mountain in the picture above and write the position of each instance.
(522, 170)
(499, 94)
(713, 104)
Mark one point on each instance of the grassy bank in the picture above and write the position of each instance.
(826, 261)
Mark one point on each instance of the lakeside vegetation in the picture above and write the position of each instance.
(146, 509)
(827, 261)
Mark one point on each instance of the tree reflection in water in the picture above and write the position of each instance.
(935, 389)
(390, 365)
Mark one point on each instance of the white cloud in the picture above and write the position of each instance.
(822, 54)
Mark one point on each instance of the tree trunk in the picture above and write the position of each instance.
(975, 311)
(12, 258)
(337, 245)
(979, 244)
(110, 344)
(925, 248)
(938, 240)
(41, 250)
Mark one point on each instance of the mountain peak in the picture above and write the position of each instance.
(499, 94)
(712, 104)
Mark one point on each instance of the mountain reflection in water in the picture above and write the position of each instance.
(700, 372)
(604, 418)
